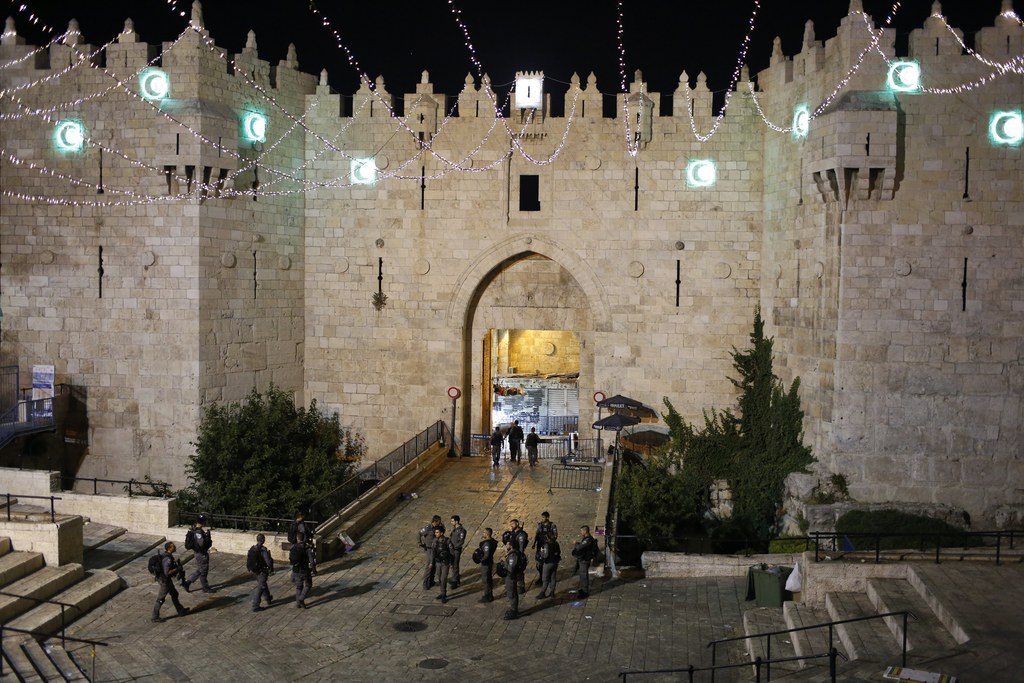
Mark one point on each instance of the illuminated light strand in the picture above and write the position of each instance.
(733, 80)
(1012, 64)
(1016, 66)
(84, 59)
(29, 55)
(35, 19)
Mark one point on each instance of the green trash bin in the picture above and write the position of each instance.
(770, 586)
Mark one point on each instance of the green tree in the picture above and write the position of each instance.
(265, 457)
(753, 448)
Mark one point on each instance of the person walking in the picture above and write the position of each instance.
(551, 554)
(199, 541)
(584, 550)
(169, 570)
(425, 538)
(514, 564)
(300, 526)
(497, 439)
(515, 439)
(259, 562)
(458, 539)
(484, 556)
(532, 446)
(442, 553)
(303, 560)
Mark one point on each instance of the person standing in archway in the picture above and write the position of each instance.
(496, 440)
(532, 444)
(515, 438)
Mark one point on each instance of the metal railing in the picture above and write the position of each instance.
(338, 499)
(18, 497)
(757, 663)
(832, 539)
(63, 644)
(831, 640)
(132, 487)
(237, 522)
(576, 476)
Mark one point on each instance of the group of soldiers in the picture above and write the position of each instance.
(443, 556)
(166, 568)
(442, 553)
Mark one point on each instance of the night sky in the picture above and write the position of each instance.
(399, 39)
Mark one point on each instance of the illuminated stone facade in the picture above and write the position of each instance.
(884, 247)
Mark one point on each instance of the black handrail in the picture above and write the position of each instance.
(239, 522)
(757, 663)
(68, 484)
(18, 496)
(63, 638)
(47, 602)
(381, 470)
(834, 537)
(830, 625)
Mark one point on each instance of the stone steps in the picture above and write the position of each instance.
(765, 620)
(17, 664)
(41, 584)
(95, 588)
(925, 633)
(122, 549)
(870, 639)
(17, 564)
(95, 534)
(811, 641)
(41, 662)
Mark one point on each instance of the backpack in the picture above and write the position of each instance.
(254, 560)
(156, 566)
(190, 540)
(299, 558)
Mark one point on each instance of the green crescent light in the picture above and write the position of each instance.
(801, 122)
(254, 126)
(154, 84)
(363, 171)
(904, 76)
(69, 136)
(701, 173)
(1006, 128)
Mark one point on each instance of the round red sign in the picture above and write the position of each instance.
(453, 392)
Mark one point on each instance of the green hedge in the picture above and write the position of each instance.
(912, 531)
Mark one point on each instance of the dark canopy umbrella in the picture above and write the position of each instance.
(629, 405)
(647, 437)
(616, 422)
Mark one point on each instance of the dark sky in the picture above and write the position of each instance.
(399, 39)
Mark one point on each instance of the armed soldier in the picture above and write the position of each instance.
(484, 556)
(261, 565)
(550, 554)
(545, 528)
(584, 550)
(442, 552)
(199, 541)
(169, 570)
(458, 539)
(513, 566)
(302, 557)
(521, 541)
(425, 539)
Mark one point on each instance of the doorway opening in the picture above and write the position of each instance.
(533, 377)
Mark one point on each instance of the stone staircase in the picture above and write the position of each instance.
(941, 634)
(70, 591)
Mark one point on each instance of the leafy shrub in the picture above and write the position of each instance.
(790, 544)
(265, 457)
(904, 529)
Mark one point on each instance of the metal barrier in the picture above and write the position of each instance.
(958, 540)
(237, 522)
(576, 476)
(757, 663)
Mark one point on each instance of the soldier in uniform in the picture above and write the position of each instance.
(515, 438)
(584, 550)
(303, 560)
(515, 563)
(532, 445)
(497, 438)
(486, 551)
(202, 541)
(442, 552)
(521, 541)
(458, 539)
(545, 527)
(170, 569)
(261, 564)
(425, 539)
(550, 554)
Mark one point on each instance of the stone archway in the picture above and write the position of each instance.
(524, 283)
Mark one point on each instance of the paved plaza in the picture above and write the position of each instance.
(369, 618)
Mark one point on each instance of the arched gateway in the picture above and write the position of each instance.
(529, 313)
